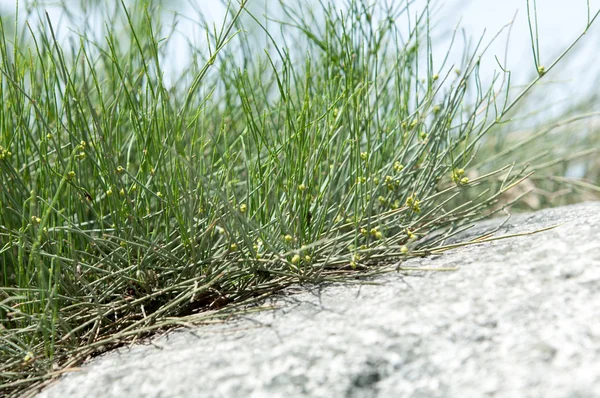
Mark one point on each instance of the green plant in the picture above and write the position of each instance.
(128, 202)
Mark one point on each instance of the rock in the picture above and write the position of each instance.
(520, 318)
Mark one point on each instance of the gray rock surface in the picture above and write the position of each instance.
(520, 318)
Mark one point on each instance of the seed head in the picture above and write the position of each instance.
(541, 70)
(28, 357)
(413, 203)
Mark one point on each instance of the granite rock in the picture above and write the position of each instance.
(519, 318)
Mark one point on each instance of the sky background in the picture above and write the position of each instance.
(560, 22)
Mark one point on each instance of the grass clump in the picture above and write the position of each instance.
(128, 201)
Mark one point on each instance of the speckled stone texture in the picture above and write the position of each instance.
(520, 318)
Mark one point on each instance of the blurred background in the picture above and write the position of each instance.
(559, 22)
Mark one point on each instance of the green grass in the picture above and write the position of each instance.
(130, 205)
